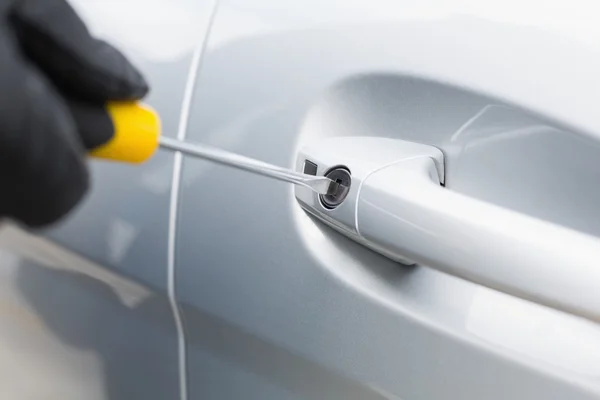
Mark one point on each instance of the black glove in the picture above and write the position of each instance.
(54, 81)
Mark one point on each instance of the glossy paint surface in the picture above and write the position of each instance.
(71, 329)
(402, 210)
(275, 304)
(279, 306)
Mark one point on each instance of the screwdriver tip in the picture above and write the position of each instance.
(337, 190)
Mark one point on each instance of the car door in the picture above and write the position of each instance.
(279, 306)
(85, 311)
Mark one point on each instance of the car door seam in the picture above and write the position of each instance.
(188, 98)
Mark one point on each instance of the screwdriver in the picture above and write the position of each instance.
(138, 135)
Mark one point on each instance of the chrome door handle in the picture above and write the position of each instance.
(401, 210)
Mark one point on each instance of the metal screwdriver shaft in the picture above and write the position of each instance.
(319, 184)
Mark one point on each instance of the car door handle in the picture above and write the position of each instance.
(401, 209)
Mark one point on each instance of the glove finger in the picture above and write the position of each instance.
(94, 124)
(56, 39)
(42, 173)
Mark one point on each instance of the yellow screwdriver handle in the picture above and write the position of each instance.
(137, 133)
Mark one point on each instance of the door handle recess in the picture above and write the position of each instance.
(397, 205)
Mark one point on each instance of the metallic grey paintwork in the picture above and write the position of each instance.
(73, 330)
(274, 301)
(275, 304)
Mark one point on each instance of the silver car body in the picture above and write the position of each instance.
(186, 280)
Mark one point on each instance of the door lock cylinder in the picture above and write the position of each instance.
(339, 188)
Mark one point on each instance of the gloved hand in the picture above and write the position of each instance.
(54, 81)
